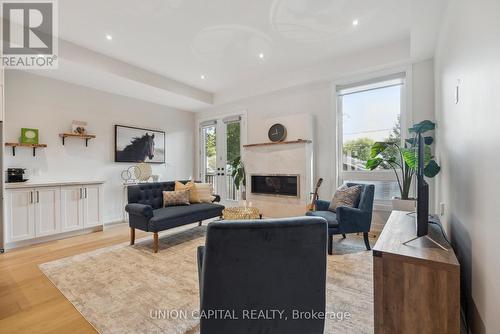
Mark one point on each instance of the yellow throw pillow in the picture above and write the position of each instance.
(203, 192)
(193, 196)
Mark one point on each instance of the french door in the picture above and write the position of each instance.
(221, 142)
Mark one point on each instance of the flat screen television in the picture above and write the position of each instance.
(422, 193)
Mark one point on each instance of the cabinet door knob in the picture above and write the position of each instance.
(85, 192)
(37, 196)
(31, 197)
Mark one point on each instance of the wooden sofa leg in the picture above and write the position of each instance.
(200, 223)
(367, 242)
(155, 242)
(343, 235)
(132, 236)
(330, 244)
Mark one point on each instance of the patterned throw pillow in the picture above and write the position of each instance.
(345, 196)
(193, 196)
(203, 192)
(174, 198)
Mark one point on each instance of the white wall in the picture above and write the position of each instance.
(468, 146)
(51, 105)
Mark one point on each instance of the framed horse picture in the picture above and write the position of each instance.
(139, 145)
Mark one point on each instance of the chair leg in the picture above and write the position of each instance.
(343, 235)
(330, 244)
(367, 242)
(155, 242)
(132, 236)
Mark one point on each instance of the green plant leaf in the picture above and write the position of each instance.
(422, 127)
(432, 169)
(378, 148)
(373, 163)
(411, 141)
(410, 157)
(428, 140)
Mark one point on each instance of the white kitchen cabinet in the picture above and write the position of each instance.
(48, 210)
(92, 208)
(71, 208)
(20, 215)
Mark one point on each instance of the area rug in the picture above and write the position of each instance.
(128, 289)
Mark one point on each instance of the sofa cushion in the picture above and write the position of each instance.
(331, 217)
(174, 216)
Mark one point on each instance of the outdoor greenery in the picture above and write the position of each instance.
(361, 148)
(403, 158)
(233, 145)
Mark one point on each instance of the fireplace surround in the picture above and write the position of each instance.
(276, 185)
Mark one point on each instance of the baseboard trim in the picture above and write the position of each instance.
(64, 235)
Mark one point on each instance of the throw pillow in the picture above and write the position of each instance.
(193, 196)
(203, 192)
(345, 196)
(174, 198)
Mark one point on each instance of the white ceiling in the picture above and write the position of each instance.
(222, 39)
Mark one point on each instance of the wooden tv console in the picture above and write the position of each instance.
(417, 285)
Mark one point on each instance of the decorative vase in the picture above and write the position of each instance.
(399, 204)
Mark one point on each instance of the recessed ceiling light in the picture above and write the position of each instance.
(109, 37)
(355, 22)
(202, 77)
(261, 55)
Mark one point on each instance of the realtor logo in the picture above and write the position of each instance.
(29, 34)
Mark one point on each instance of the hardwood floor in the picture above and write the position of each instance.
(29, 303)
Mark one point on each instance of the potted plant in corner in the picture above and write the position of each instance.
(239, 176)
(402, 158)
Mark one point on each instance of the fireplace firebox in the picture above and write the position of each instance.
(276, 185)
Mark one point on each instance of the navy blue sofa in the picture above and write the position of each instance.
(348, 220)
(146, 211)
(260, 265)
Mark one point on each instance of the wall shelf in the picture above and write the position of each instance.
(33, 146)
(74, 135)
(298, 141)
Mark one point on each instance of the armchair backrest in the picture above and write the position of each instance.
(277, 264)
(365, 202)
(150, 193)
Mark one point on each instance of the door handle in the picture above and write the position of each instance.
(31, 197)
(37, 196)
(81, 193)
(85, 192)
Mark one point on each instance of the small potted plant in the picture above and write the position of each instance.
(239, 176)
(402, 158)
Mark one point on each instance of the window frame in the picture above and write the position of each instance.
(405, 119)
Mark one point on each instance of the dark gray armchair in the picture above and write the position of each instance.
(263, 265)
(348, 220)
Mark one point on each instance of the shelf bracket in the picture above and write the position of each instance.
(63, 139)
(86, 142)
(13, 151)
(34, 151)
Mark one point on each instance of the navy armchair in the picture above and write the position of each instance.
(263, 265)
(348, 220)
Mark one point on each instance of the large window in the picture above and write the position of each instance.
(369, 112)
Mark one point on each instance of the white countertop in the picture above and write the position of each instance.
(36, 184)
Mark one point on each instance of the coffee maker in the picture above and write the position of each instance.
(16, 175)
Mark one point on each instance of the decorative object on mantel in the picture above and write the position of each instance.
(29, 136)
(139, 145)
(34, 146)
(277, 133)
(239, 176)
(403, 160)
(298, 141)
(74, 135)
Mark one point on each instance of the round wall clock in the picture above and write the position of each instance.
(277, 133)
